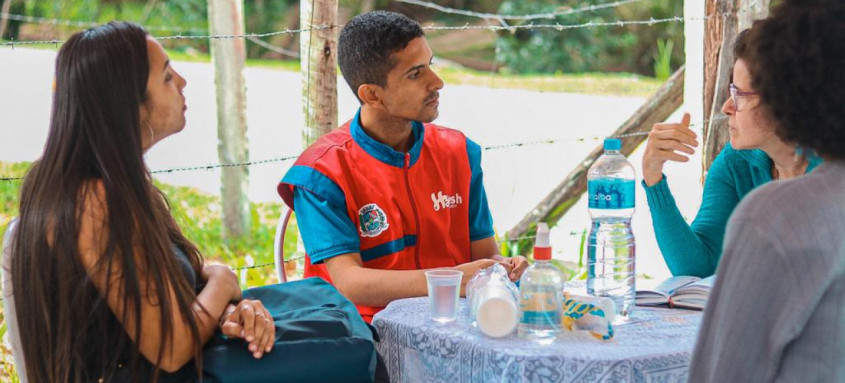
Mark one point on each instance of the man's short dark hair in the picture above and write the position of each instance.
(367, 42)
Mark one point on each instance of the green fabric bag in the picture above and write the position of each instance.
(320, 337)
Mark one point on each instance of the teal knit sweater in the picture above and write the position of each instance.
(695, 249)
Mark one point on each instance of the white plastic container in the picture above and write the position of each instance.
(497, 314)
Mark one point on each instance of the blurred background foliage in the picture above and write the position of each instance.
(650, 50)
(631, 48)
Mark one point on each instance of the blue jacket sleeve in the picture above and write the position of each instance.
(480, 219)
(326, 230)
(694, 249)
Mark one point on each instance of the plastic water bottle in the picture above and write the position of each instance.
(541, 293)
(611, 248)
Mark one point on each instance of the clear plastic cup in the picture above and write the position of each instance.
(444, 287)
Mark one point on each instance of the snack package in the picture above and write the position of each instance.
(588, 314)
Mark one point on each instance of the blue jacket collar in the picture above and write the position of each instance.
(383, 152)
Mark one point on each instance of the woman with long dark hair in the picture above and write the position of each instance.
(106, 287)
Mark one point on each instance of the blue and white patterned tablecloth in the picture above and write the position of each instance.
(655, 347)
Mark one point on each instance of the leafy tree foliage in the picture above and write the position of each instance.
(626, 48)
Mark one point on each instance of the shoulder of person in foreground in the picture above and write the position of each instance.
(783, 258)
(805, 200)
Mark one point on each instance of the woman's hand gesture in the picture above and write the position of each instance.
(664, 143)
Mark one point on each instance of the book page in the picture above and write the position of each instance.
(656, 293)
(694, 295)
(701, 287)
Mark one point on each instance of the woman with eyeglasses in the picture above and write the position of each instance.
(754, 156)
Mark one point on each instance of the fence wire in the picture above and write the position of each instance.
(268, 264)
(697, 127)
(503, 27)
(564, 11)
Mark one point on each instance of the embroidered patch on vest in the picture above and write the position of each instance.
(372, 219)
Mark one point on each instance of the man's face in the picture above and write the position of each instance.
(412, 86)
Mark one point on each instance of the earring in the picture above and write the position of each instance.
(152, 134)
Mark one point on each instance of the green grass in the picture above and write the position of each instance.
(195, 56)
(614, 84)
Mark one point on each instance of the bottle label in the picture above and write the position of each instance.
(540, 308)
(611, 193)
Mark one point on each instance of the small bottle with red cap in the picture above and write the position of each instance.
(541, 293)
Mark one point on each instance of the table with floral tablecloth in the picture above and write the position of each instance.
(656, 346)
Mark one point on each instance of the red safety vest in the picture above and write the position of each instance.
(408, 218)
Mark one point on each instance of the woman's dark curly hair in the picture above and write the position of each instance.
(797, 65)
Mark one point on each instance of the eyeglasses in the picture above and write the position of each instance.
(737, 95)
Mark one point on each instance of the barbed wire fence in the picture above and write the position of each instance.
(506, 27)
(696, 126)
(505, 23)
(563, 11)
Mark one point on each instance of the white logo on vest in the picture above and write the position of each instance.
(372, 219)
(442, 201)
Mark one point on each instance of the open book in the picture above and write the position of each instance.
(682, 291)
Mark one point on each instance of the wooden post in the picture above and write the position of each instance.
(732, 16)
(712, 44)
(318, 60)
(716, 131)
(4, 22)
(228, 55)
(656, 109)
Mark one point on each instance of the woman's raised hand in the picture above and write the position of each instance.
(667, 142)
(251, 321)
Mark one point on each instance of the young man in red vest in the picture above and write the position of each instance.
(389, 195)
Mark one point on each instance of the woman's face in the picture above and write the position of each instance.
(163, 112)
(749, 126)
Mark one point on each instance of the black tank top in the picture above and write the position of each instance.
(114, 333)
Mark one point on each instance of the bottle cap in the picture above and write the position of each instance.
(612, 144)
(542, 248)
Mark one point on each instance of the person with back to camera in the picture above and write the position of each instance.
(777, 310)
(388, 194)
(754, 156)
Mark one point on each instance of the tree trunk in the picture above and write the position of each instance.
(716, 130)
(656, 109)
(318, 59)
(4, 22)
(228, 55)
(712, 43)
